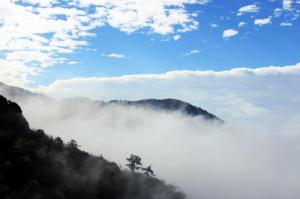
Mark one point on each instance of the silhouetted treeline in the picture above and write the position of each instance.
(36, 166)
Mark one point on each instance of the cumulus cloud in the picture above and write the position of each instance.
(248, 9)
(58, 27)
(161, 17)
(32, 56)
(15, 73)
(238, 93)
(264, 21)
(230, 33)
(47, 36)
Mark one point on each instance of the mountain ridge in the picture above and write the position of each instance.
(170, 105)
(167, 105)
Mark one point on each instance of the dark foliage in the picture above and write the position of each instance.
(134, 162)
(36, 166)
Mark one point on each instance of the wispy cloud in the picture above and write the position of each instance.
(73, 62)
(286, 24)
(277, 12)
(192, 52)
(176, 37)
(114, 55)
(242, 24)
(248, 9)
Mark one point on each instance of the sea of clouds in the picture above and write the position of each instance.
(234, 160)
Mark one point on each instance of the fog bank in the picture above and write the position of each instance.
(253, 160)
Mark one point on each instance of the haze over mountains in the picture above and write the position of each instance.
(56, 117)
(21, 95)
(34, 165)
(205, 160)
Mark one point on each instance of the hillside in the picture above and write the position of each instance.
(36, 166)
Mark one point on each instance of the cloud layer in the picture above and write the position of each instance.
(238, 93)
(232, 161)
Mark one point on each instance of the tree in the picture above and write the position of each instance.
(148, 171)
(134, 162)
(73, 144)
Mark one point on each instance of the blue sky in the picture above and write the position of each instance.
(254, 46)
(200, 35)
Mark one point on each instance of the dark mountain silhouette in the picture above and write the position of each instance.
(36, 166)
(166, 105)
(169, 105)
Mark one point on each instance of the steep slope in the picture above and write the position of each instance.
(36, 166)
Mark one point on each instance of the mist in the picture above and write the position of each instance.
(205, 160)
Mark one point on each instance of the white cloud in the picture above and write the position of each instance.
(262, 22)
(214, 25)
(34, 35)
(73, 62)
(232, 94)
(114, 55)
(43, 32)
(287, 4)
(230, 161)
(230, 33)
(289, 10)
(176, 37)
(248, 9)
(242, 24)
(192, 52)
(14, 73)
(257, 159)
(159, 16)
(277, 12)
(43, 3)
(31, 56)
(286, 24)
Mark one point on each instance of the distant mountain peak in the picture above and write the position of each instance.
(170, 105)
(167, 105)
